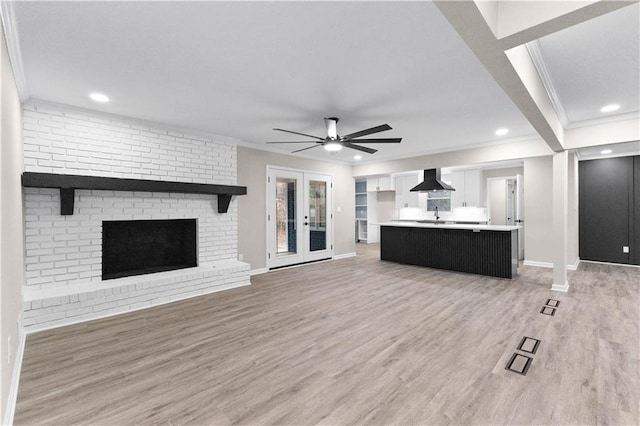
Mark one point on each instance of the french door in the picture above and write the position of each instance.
(299, 217)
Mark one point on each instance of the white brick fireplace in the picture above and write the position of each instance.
(63, 253)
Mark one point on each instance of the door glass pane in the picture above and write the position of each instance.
(286, 231)
(317, 215)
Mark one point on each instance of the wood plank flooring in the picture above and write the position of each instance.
(356, 340)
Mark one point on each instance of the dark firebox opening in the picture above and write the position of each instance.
(137, 247)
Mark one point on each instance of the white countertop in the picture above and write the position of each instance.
(450, 226)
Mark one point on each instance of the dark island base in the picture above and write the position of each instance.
(492, 253)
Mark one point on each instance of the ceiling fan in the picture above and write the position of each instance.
(334, 142)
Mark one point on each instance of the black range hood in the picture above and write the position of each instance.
(432, 182)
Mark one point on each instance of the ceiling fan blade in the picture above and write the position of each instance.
(301, 134)
(381, 140)
(359, 148)
(381, 128)
(296, 142)
(304, 149)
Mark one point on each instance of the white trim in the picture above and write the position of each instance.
(603, 120)
(559, 287)
(344, 256)
(549, 264)
(575, 266)
(12, 397)
(42, 327)
(610, 263)
(537, 264)
(8, 18)
(535, 53)
(258, 271)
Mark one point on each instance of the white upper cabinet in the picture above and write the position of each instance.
(403, 185)
(468, 188)
(379, 183)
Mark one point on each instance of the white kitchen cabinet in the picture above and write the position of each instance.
(468, 188)
(404, 196)
(379, 183)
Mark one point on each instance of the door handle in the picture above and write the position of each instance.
(306, 223)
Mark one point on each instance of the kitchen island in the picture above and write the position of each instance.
(479, 249)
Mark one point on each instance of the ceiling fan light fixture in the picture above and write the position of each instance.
(332, 127)
(333, 146)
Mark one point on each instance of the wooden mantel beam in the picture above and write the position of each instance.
(67, 184)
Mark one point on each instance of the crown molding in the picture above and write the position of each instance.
(603, 120)
(538, 61)
(9, 24)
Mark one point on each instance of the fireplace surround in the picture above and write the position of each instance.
(101, 168)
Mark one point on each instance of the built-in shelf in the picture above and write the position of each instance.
(67, 184)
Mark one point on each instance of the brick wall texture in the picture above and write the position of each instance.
(66, 250)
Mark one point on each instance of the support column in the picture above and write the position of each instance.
(560, 222)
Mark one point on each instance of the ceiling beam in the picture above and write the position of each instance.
(604, 134)
(513, 71)
(524, 21)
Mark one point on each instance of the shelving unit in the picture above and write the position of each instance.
(361, 211)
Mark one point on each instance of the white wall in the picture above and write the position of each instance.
(538, 207)
(252, 166)
(11, 234)
(511, 151)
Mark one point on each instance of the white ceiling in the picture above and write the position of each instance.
(240, 69)
(596, 63)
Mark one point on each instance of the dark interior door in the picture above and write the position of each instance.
(606, 209)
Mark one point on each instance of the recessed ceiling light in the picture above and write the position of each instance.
(333, 146)
(502, 132)
(99, 97)
(357, 157)
(610, 108)
(606, 151)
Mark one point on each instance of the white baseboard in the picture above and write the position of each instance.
(537, 264)
(344, 255)
(258, 271)
(12, 397)
(559, 287)
(612, 264)
(574, 267)
(549, 264)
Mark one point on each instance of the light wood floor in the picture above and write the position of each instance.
(355, 340)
